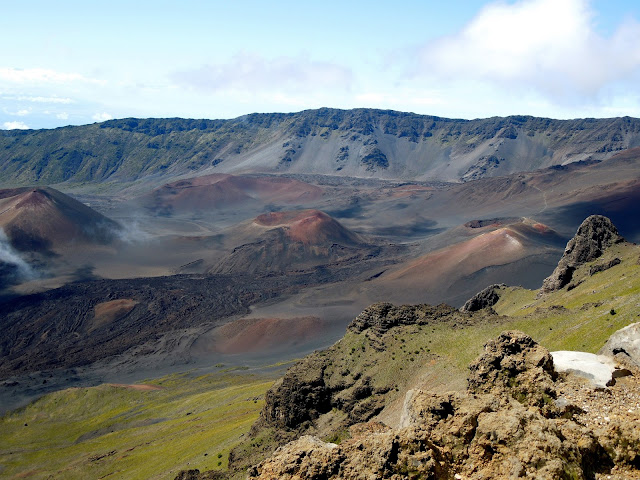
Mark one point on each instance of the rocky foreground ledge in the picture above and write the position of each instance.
(518, 419)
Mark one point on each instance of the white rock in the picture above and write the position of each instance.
(408, 416)
(626, 342)
(598, 369)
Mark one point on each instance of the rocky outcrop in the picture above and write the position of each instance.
(380, 317)
(514, 365)
(594, 236)
(351, 381)
(601, 267)
(507, 425)
(484, 299)
(301, 395)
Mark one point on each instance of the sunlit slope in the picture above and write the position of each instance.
(147, 431)
(583, 317)
(41, 219)
(431, 347)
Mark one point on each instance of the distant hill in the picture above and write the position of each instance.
(294, 240)
(44, 219)
(360, 142)
(222, 191)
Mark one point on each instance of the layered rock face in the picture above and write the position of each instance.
(511, 423)
(309, 390)
(593, 237)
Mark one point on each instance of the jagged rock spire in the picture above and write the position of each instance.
(594, 236)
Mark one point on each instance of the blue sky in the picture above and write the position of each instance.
(77, 62)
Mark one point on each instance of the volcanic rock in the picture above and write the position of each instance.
(601, 267)
(315, 385)
(516, 366)
(485, 433)
(484, 299)
(299, 396)
(593, 237)
(380, 317)
(196, 475)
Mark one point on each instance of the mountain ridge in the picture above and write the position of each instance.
(360, 142)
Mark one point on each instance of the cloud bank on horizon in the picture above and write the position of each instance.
(555, 58)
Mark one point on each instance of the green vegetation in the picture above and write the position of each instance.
(111, 155)
(112, 431)
(580, 318)
(576, 319)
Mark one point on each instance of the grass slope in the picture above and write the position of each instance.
(577, 319)
(109, 431)
(581, 318)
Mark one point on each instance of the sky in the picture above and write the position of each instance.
(79, 62)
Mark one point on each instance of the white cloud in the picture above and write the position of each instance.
(42, 99)
(42, 76)
(550, 46)
(23, 112)
(15, 126)
(102, 117)
(247, 71)
(62, 116)
(400, 96)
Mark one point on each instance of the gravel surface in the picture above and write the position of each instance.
(603, 407)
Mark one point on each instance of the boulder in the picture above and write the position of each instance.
(601, 267)
(514, 365)
(306, 457)
(624, 345)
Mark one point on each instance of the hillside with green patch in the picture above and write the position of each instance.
(144, 431)
(360, 142)
(388, 350)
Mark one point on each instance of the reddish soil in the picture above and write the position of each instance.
(108, 312)
(220, 190)
(498, 247)
(274, 219)
(34, 198)
(629, 154)
(542, 228)
(43, 219)
(263, 334)
(311, 227)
